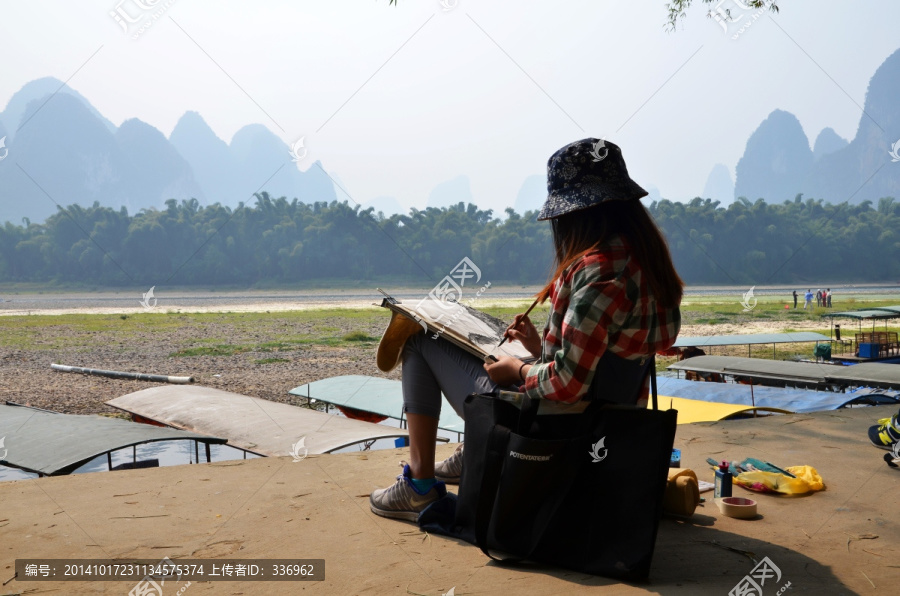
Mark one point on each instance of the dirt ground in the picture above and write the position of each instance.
(843, 540)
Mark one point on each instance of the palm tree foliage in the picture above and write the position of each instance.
(278, 241)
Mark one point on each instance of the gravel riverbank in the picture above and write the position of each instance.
(259, 366)
(258, 354)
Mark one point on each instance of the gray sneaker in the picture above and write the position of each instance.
(450, 469)
(402, 500)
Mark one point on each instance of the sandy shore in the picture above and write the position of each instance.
(194, 301)
(235, 308)
(213, 301)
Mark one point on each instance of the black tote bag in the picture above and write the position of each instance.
(580, 491)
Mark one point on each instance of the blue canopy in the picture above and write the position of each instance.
(795, 400)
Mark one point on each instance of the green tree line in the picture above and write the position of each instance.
(277, 241)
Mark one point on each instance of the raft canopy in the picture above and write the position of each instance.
(52, 444)
(749, 339)
(865, 374)
(257, 425)
(791, 399)
(691, 410)
(370, 394)
(877, 314)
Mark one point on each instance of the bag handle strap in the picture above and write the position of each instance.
(527, 414)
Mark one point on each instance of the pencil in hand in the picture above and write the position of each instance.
(530, 308)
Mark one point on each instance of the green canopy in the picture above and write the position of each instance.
(748, 339)
(870, 313)
(370, 394)
(51, 444)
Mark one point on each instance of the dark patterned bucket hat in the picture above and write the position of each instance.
(586, 173)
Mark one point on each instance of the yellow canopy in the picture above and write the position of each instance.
(693, 410)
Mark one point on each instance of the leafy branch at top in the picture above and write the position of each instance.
(678, 8)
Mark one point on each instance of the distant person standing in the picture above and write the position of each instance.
(825, 298)
(809, 297)
(829, 298)
(818, 298)
(795, 298)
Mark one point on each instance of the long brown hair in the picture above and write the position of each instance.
(579, 232)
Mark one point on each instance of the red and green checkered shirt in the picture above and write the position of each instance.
(601, 302)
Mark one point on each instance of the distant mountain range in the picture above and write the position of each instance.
(61, 151)
(778, 163)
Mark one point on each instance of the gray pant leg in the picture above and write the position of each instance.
(432, 366)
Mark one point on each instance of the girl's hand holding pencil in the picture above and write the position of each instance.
(523, 331)
(527, 335)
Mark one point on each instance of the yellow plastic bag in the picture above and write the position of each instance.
(807, 480)
(810, 475)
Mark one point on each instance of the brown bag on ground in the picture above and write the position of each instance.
(682, 492)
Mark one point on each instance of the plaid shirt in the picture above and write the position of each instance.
(601, 302)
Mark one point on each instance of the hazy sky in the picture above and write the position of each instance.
(397, 99)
